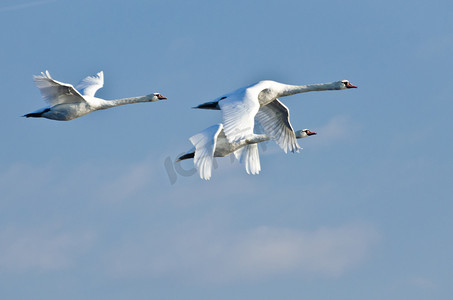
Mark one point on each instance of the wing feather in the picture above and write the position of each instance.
(205, 143)
(89, 85)
(238, 112)
(55, 92)
(274, 118)
(251, 158)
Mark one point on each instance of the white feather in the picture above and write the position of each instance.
(274, 118)
(89, 85)
(251, 159)
(239, 112)
(55, 92)
(205, 143)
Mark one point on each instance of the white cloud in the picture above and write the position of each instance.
(24, 5)
(87, 180)
(415, 283)
(208, 254)
(435, 46)
(38, 249)
(129, 181)
(20, 180)
(422, 282)
(339, 128)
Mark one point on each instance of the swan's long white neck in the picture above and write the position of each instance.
(288, 90)
(112, 103)
(258, 138)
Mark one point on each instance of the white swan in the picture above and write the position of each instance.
(212, 142)
(67, 103)
(259, 101)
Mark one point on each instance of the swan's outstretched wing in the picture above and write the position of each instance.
(205, 143)
(89, 85)
(274, 118)
(55, 92)
(251, 158)
(238, 111)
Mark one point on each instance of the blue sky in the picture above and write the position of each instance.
(95, 208)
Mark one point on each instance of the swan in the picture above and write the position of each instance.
(67, 103)
(212, 142)
(259, 101)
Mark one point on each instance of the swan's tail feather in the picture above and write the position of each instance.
(186, 156)
(209, 105)
(33, 115)
(36, 114)
(251, 158)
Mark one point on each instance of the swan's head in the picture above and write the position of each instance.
(157, 97)
(345, 84)
(304, 133)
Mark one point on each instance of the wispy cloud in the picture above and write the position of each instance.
(422, 282)
(258, 253)
(435, 46)
(126, 184)
(24, 180)
(338, 128)
(25, 5)
(418, 283)
(96, 180)
(40, 249)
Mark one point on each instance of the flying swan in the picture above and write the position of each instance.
(259, 102)
(212, 142)
(67, 103)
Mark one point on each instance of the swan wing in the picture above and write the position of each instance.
(238, 112)
(238, 153)
(250, 157)
(205, 143)
(274, 118)
(89, 85)
(55, 92)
